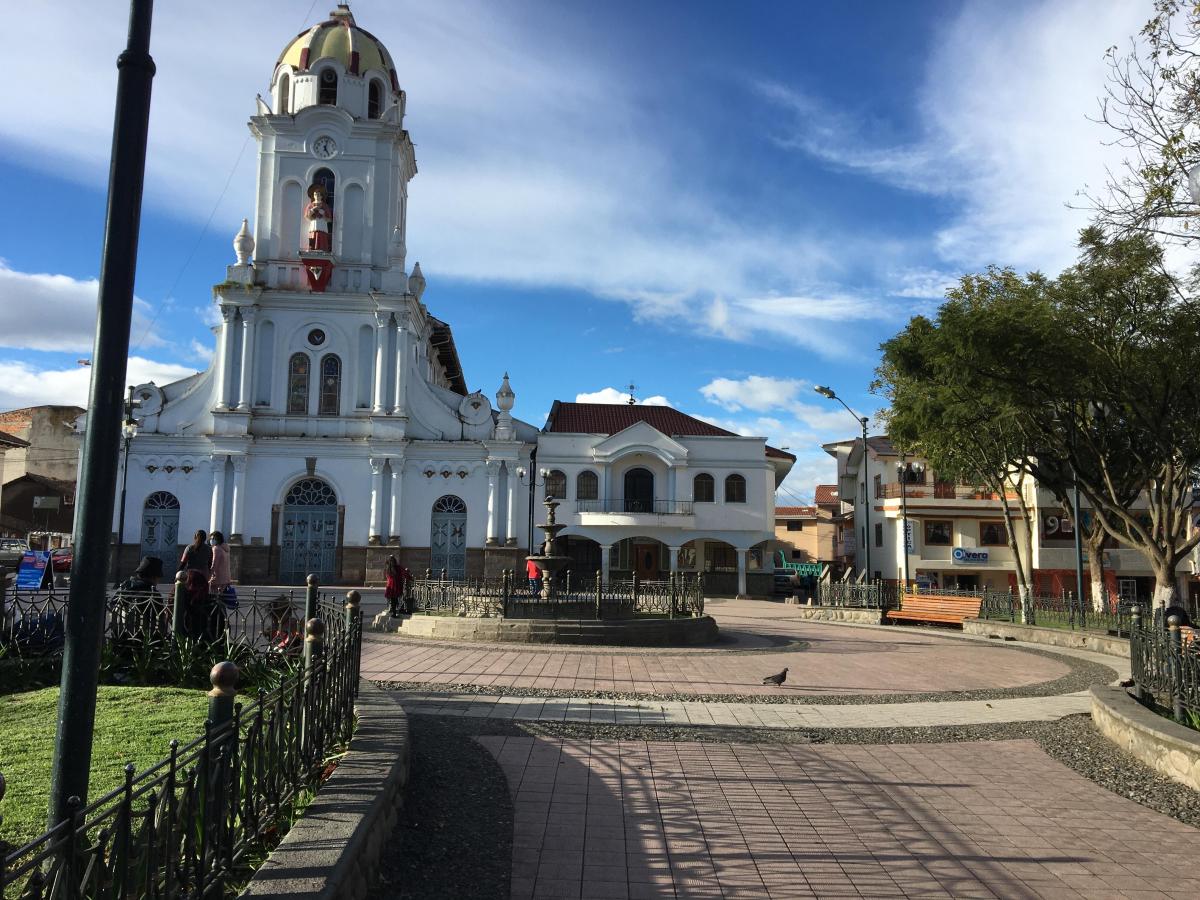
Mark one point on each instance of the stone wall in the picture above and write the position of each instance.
(332, 852)
(621, 633)
(837, 613)
(1164, 745)
(1053, 637)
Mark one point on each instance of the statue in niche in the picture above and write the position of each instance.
(320, 219)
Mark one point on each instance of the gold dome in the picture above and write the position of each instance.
(339, 38)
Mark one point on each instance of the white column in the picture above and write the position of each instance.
(605, 550)
(674, 556)
(493, 509)
(604, 485)
(376, 500)
(394, 529)
(511, 531)
(247, 382)
(400, 403)
(672, 478)
(381, 323)
(218, 492)
(741, 557)
(238, 507)
(224, 371)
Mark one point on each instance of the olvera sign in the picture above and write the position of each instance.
(970, 555)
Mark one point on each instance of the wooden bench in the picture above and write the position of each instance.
(937, 608)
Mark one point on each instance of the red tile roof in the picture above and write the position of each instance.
(611, 418)
(826, 494)
(784, 511)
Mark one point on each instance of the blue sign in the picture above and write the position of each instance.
(969, 555)
(33, 570)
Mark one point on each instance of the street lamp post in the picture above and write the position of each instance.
(128, 430)
(902, 476)
(829, 394)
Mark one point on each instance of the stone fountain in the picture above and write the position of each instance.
(548, 561)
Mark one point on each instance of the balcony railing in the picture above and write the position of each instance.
(937, 490)
(649, 507)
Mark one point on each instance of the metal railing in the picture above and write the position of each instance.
(1165, 665)
(853, 594)
(1063, 611)
(649, 507)
(894, 490)
(575, 596)
(197, 819)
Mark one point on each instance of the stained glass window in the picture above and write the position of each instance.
(331, 385)
(298, 384)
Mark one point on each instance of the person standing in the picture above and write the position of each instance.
(535, 577)
(197, 555)
(220, 583)
(393, 586)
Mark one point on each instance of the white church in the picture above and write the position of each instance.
(335, 426)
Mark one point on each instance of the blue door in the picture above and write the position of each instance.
(309, 533)
(448, 538)
(160, 529)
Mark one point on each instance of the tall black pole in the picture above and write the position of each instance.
(98, 474)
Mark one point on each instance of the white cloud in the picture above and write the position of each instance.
(1004, 109)
(543, 162)
(41, 311)
(758, 392)
(612, 395)
(23, 384)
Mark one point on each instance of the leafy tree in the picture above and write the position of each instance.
(1085, 379)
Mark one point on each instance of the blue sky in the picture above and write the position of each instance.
(724, 203)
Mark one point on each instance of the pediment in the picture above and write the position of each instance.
(641, 437)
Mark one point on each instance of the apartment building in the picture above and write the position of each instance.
(937, 533)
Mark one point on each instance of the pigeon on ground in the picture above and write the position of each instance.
(778, 678)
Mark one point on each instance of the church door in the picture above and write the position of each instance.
(309, 533)
(639, 490)
(160, 529)
(448, 538)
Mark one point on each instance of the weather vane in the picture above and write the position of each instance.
(631, 387)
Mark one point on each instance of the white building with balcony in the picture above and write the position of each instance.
(956, 537)
(648, 490)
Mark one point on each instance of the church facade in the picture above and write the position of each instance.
(334, 426)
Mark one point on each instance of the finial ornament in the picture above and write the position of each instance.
(243, 244)
(416, 281)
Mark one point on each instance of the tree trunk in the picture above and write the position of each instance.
(1096, 570)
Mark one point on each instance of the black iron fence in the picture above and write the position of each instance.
(574, 596)
(860, 595)
(1165, 665)
(1063, 611)
(190, 825)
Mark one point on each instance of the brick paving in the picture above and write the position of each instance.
(629, 819)
(836, 660)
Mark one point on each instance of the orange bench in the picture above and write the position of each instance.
(937, 608)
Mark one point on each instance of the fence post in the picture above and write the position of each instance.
(1176, 650)
(1135, 647)
(671, 594)
(599, 594)
(505, 592)
(178, 611)
(310, 597)
(635, 591)
(353, 626)
(223, 678)
(314, 649)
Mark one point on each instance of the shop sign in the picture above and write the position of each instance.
(969, 555)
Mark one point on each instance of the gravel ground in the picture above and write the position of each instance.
(1083, 675)
(454, 837)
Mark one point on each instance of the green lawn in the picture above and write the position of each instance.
(133, 724)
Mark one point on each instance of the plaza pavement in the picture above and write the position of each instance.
(606, 817)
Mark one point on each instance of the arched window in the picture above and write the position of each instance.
(639, 490)
(298, 366)
(331, 385)
(587, 486)
(285, 86)
(735, 489)
(556, 484)
(327, 88)
(704, 488)
(374, 99)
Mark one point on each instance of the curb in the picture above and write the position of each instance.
(1163, 745)
(1050, 637)
(332, 851)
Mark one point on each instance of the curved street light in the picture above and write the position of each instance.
(829, 394)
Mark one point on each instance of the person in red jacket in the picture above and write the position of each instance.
(535, 578)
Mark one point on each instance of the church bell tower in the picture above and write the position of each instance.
(334, 164)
